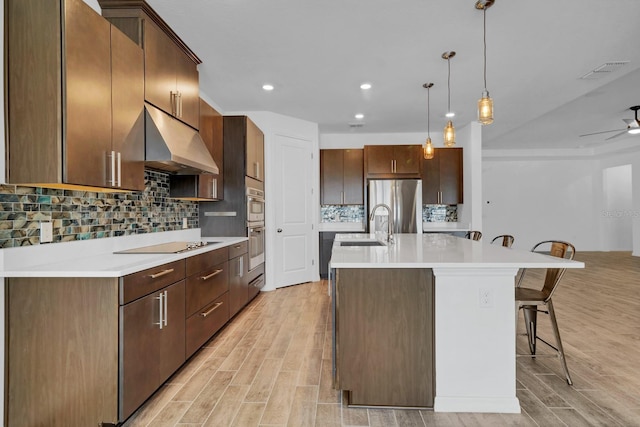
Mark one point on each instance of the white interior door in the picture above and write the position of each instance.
(293, 212)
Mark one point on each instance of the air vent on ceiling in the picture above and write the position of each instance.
(604, 70)
(356, 125)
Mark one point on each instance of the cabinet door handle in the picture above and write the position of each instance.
(212, 309)
(162, 273)
(209, 276)
(119, 169)
(174, 101)
(160, 299)
(112, 178)
(180, 104)
(342, 197)
(241, 266)
(166, 298)
(214, 189)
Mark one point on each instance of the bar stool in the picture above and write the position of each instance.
(507, 240)
(473, 235)
(530, 299)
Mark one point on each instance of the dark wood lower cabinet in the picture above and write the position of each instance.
(385, 359)
(238, 284)
(152, 332)
(90, 351)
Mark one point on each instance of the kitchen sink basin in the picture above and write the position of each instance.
(362, 243)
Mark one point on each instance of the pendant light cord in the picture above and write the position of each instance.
(449, 85)
(484, 30)
(428, 119)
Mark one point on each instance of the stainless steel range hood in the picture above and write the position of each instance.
(172, 146)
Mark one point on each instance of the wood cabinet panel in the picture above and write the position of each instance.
(204, 287)
(127, 107)
(238, 284)
(392, 161)
(187, 86)
(144, 282)
(255, 151)
(60, 351)
(442, 177)
(159, 75)
(331, 177)
(386, 359)
(341, 177)
(204, 323)
(150, 352)
(207, 260)
(75, 96)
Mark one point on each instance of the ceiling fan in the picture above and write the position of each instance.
(633, 126)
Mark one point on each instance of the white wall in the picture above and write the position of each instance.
(563, 198)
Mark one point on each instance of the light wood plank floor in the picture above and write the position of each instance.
(271, 365)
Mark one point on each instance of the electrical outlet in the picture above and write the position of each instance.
(185, 223)
(46, 232)
(486, 298)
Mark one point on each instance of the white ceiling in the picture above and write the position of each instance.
(317, 53)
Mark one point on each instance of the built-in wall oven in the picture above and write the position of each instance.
(255, 205)
(255, 231)
(255, 221)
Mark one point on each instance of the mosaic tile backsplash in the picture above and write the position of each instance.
(82, 215)
(439, 213)
(349, 213)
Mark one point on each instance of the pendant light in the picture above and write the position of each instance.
(427, 150)
(449, 130)
(485, 103)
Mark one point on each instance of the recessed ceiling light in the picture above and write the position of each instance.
(267, 87)
(450, 114)
(365, 86)
(359, 116)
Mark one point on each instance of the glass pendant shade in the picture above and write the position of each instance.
(449, 135)
(427, 150)
(485, 109)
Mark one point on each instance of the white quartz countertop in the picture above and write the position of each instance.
(96, 258)
(437, 250)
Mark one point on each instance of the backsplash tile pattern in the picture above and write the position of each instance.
(347, 213)
(439, 213)
(82, 215)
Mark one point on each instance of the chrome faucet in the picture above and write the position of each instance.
(389, 222)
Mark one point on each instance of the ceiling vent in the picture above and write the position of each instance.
(604, 70)
(356, 125)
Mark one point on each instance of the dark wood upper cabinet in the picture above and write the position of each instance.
(255, 151)
(442, 177)
(171, 68)
(89, 131)
(392, 161)
(341, 177)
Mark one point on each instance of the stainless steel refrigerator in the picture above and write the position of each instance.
(404, 197)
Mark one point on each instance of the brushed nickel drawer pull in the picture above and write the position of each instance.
(212, 309)
(209, 276)
(162, 273)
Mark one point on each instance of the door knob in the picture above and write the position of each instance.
(279, 230)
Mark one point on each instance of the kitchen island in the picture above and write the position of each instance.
(428, 321)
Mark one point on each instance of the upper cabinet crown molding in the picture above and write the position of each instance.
(68, 122)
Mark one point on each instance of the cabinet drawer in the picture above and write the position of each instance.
(237, 249)
(136, 285)
(198, 263)
(204, 287)
(203, 324)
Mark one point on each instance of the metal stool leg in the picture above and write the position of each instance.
(556, 332)
(530, 321)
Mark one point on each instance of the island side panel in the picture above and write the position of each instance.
(475, 348)
(62, 351)
(385, 336)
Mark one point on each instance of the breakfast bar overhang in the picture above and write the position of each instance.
(473, 349)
